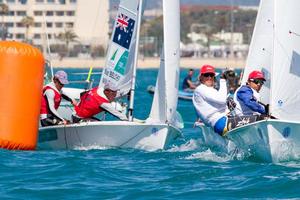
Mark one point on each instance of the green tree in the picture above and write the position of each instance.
(68, 36)
(28, 22)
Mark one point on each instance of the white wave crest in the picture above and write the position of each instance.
(208, 155)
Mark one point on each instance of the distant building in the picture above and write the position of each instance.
(87, 18)
(196, 8)
(237, 38)
(219, 45)
(249, 8)
(223, 37)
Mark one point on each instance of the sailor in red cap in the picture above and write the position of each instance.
(210, 104)
(247, 96)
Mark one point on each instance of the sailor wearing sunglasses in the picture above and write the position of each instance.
(247, 96)
(210, 104)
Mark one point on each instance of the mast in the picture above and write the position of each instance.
(231, 29)
(132, 90)
(48, 46)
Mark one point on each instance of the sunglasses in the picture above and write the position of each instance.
(258, 81)
(57, 80)
(209, 75)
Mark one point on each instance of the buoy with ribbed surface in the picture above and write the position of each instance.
(21, 81)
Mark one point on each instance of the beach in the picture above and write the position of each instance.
(152, 62)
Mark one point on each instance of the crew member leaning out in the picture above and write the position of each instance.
(96, 101)
(210, 104)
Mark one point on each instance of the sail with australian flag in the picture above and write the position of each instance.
(120, 55)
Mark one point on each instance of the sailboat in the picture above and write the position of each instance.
(161, 127)
(276, 46)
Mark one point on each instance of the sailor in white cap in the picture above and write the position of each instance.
(97, 100)
(51, 98)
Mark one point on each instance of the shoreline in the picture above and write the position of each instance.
(194, 63)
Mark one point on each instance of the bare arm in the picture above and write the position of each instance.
(191, 84)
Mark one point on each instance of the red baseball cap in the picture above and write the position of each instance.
(256, 75)
(205, 69)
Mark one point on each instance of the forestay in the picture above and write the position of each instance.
(261, 48)
(285, 80)
(120, 56)
(166, 91)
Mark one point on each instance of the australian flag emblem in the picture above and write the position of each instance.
(123, 30)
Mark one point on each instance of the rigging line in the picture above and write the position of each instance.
(294, 33)
(130, 139)
(48, 45)
(97, 16)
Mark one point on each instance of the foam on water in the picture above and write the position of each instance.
(208, 155)
(190, 145)
(92, 147)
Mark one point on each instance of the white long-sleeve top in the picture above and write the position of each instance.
(50, 98)
(210, 103)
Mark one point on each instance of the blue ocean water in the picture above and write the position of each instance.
(187, 170)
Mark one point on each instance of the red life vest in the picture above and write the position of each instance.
(90, 104)
(44, 104)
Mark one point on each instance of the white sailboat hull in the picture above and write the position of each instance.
(121, 134)
(214, 141)
(269, 140)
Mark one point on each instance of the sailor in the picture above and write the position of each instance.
(247, 96)
(95, 101)
(187, 84)
(51, 98)
(210, 104)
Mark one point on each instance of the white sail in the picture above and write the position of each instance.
(285, 80)
(166, 91)
(261, 48)
(120, 56)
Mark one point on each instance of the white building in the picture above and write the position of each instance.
(237, 38)
(87, 18)
(225, 37)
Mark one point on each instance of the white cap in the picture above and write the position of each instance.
(110, 86)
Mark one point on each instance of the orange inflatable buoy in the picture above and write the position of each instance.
(21, 82)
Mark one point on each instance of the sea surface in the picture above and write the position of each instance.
(187, 170)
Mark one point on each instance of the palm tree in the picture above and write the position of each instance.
(27, 21)
(3, 11)
(68, 36)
